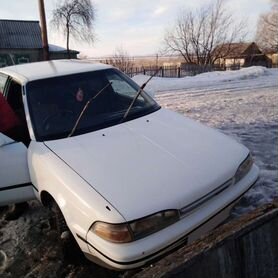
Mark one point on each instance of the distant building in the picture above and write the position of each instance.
(21, 42)
(272, 54)
(241, 54)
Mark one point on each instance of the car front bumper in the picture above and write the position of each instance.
(203, 219)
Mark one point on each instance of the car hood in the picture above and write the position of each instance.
(157, 162)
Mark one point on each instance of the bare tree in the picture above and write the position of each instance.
(267, 29)
(75, 18)
(121, 59)
(205, 35)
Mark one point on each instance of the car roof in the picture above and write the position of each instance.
(41, 70)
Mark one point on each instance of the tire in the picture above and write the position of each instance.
(57, 220)
(70, 248)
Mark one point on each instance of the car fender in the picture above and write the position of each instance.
(80, 204)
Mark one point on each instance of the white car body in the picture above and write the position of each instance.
(125, 172)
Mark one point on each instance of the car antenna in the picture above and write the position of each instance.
(86, 106)
(138, 94)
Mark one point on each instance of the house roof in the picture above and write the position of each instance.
(236, 50)
(24, 34)
(273, 50)
(59, 49)
(20, 34)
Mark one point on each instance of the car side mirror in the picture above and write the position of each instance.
(5, 140)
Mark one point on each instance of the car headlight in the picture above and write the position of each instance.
(126, 232)
(243, 168)
(119, 233)
(153, 223)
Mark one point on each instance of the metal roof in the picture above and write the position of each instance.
(20, 34)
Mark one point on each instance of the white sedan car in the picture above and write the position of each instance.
(132, 182)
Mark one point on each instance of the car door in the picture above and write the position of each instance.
(15, 183)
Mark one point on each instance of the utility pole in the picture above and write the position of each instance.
(43, 31)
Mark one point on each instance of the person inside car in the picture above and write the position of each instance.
(9, 122)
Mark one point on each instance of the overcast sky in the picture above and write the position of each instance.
(136, 25)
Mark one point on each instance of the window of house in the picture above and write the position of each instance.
(22, 59)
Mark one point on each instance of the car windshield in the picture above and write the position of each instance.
(56, 103)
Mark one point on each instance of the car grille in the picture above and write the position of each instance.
(191, 207)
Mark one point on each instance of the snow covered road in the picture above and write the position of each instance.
(243, 105)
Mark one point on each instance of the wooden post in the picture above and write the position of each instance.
(179, 72)
(43, 31)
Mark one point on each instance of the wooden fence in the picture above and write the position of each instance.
(177, 71)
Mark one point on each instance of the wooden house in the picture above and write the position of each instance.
(240, 54)
(21, 42)
(272, 54)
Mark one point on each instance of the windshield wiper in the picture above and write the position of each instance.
(85, 108)
(137, 95)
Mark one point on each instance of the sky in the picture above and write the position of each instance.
(138, 26)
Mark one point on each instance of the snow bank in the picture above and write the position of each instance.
(56, 48)
(167, 84)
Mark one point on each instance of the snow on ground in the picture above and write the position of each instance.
(218, 79)
(242, 104)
